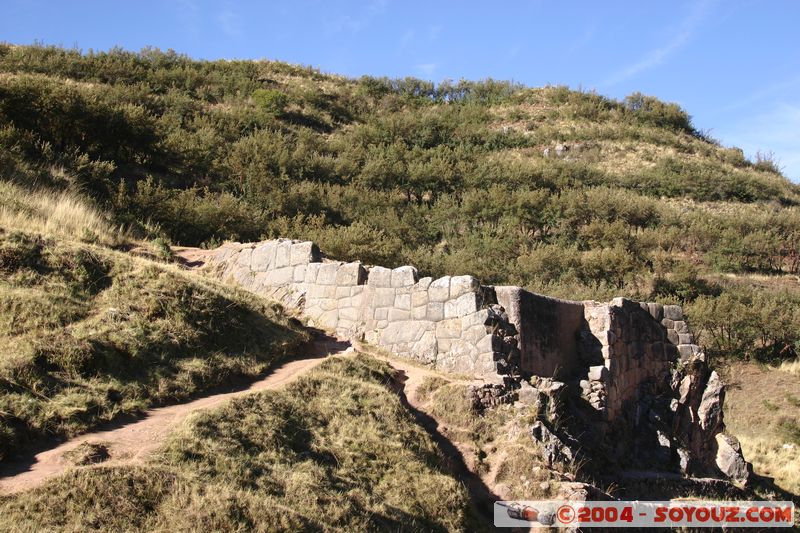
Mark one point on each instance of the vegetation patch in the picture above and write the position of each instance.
(335, 450)
(87, 334)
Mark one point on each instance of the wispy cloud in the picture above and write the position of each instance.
(655, 57)
(230, 23)
(407, 38)
(770, 91)
(356, 23)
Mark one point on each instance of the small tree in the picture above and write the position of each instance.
(271, 100)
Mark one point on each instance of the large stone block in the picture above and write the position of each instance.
(463, 284)
(311, 272)
(299, 273)
(327, 274)
(402, 300)
(681, 327)
(448, 329)
(280, 276)
(244, 258)
(423, 284)
(283, 254)
(348, 313)
(426, 348)
(263, 257)
(351, 274)
(396, 315)
(463, 305)
(383, 297)
(729, 458)
(673, 312)
(477, 318)
(435, 311)
(379, 277)
(439, 290)
(673, 336)
(419, 298)
(304, 252)
(656, 311)
(598, 373)
(342, 292)
(419, 313)
(404, 276)
(329, 319)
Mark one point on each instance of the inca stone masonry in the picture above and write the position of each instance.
(614, 356)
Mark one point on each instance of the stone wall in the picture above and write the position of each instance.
(455, 324)
(446, 322)
(628, 376)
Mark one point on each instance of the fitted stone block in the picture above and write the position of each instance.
(423, 284)
(404, 276)
(402, 300)
(656, 311)
(448, 329)
(379, 277)
(419, 313)
(396, 315)
(311, 272)
(419, 298)
(463, 284)
(351, 274)
(283, 254)
(383, 297)
(280, 276)
(263, 257)
(435, 311)
(439, 290)
(685, 338)
(327, 274)
(348, 313)
(463, 305)
(673, 312)
(304, 253)
(299, 273)
(681, 327)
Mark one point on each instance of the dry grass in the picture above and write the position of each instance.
(88, 333)
(54, 215)
(761, 409)
(335, 450)
(792, 367)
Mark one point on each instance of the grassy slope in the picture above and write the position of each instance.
(88, 333)
(334, 450)
(762, 409)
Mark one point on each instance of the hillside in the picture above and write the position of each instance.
(567, 193)
(110, 161)
(89, 333)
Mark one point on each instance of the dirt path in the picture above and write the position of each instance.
(132, 442)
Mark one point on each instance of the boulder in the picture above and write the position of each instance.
(730, 459)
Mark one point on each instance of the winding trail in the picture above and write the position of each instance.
(132, 441)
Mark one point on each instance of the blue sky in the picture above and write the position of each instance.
(733, 64)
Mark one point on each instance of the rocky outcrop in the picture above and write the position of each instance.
(619, 382)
